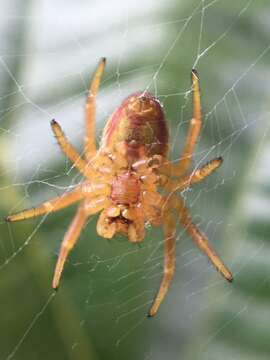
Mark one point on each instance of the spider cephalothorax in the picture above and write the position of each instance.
(130, 180)
(122, 214)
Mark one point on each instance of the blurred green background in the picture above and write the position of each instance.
(48, 51)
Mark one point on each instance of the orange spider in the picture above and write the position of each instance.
(130, 180)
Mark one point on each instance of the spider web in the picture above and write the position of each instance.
(47, 56)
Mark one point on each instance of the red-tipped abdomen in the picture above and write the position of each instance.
(139, 123)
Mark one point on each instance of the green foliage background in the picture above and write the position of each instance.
(99, 311)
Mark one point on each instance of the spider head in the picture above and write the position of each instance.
(123, 220)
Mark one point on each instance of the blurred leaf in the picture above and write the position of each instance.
(237, 319)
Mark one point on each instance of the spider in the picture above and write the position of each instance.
(130, 180)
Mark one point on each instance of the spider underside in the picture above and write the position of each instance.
(125, 176)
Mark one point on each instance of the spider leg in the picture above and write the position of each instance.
(193, 132)
(68, 149)
(201, 173)
(194, 127)
(68, 243)
(201, 241)
(48, 206)
(169, 261)
(90, 142)
(195, 177)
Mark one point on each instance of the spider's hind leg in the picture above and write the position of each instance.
(182, 166)
(69, 150)
(90, 140)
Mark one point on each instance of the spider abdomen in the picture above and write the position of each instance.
(139, 123)
(125, 189)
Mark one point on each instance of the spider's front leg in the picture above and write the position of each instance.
(169, 261)
(68, 243)
(49, 206)
(87, 208)
(201, 240)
